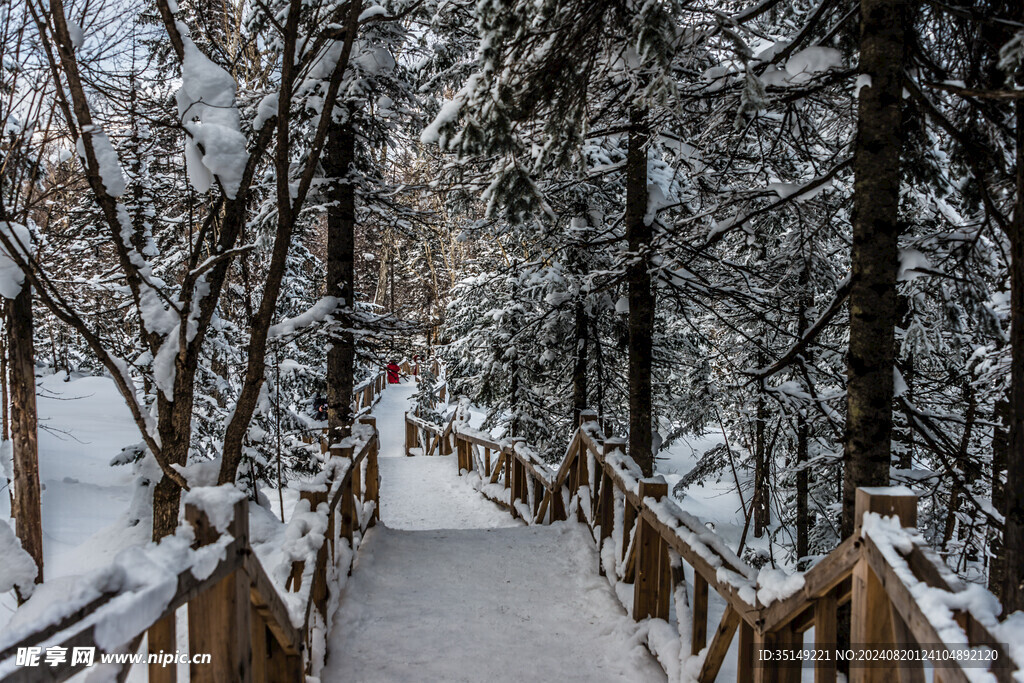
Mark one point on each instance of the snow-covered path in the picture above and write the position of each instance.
(450, 588)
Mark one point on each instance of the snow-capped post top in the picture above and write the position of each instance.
(217, 503)
(888, 501)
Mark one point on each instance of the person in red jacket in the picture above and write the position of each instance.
(393, 371)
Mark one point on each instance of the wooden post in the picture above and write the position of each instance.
(826, 628)
(787, 671)
(460, 455)
(628, 519)
(745, 654)
(652, 586)
(348, 501)
(282, 666)
(270, 662)
(699, 630)
(260, 644)
(318, 592)
(886, 501)
(162, 637)
(605, 515)
(447, 436)
(218, 620)
(373, 470)
(410, 436)
(508, 472)
(871, 622)
(582, 479)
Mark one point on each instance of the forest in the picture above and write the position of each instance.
(778, 244)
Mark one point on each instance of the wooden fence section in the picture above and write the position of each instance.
(253, 628)
(644, 539)
(426, 436)
(368, 392)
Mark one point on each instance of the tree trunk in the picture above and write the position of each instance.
(1012, 593)
(579, 370)
(339, 157)
(874, 255)
(175, 428)
(27, 510)
(641, 295)
(1000, 453)
(761, 498)
(802, 433)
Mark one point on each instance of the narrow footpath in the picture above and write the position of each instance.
(450, 588)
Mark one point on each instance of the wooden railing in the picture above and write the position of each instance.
(256, 625)
(426, 436)
(646, 540)
(368, 392)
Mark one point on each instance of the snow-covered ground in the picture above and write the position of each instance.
(86, 503)
(495, 605)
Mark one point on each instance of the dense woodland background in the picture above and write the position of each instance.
(795, 224)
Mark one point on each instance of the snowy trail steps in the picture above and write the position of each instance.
(449, 587)
(508, 604)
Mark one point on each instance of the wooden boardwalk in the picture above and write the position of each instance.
(451, 588)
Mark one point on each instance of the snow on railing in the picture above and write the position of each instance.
(644, 539)
(210, 565)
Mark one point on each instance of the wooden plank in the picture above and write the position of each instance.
(410, 435)
(571, 454)
(486, 443)
(628, 520)
(907, 671)
(543, 507)
(650, 588)
(161, 637)
(719, 645)
(778, 671)
(499, 468)
(745, 655)
(699, 613)
(701, 566)
(283, 666)
(870, 622)
(582, 479)
(218, 620)
(818, 581)
(826, 630)
(264, 596)
(259, 639)
(605, 515)
(904, 604)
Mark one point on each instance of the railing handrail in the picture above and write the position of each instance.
(590, 457)
(336, 485)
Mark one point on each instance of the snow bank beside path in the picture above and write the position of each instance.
(87, 503)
